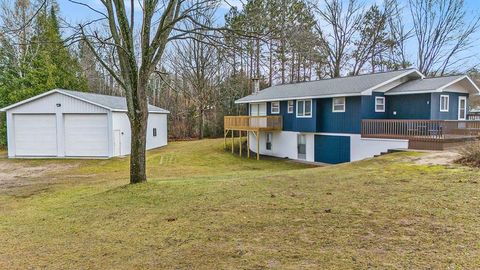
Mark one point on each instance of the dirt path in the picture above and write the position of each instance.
(437, 158)
(15, 175)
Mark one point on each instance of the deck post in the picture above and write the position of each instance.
(225, 133)
(240, 143)
(258, 145)
(233, 140)
(248, 144)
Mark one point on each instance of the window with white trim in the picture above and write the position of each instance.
(444, 100)
(290, 106)
(275, 107)
(338, 104)
(269, 140)
(304, 108)
(379, 104)
(301, 146)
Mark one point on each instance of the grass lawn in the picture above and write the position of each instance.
(204, 208)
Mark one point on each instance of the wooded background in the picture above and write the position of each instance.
(277, 41)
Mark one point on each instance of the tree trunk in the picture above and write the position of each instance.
(200, 124)
(138, 150)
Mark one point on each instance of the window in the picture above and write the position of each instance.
(258, 109)
(154, 132)
(301, 146)
(268, 146)
(275, 109)
(304, 108)
(338, 104)
(379, 104)
(444, 100)
(290, 106)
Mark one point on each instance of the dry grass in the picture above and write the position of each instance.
(207, 209)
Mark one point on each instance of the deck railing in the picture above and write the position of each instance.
(253, 122)
(427, 130)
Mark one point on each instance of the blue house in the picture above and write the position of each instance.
(352, 118)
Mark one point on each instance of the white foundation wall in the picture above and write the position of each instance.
(284, 145)
(361, 148)
(121, 125)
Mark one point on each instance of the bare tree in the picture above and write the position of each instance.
(336, 36)
(399, 35)
(443, 30)
(138, 49)
(196, 62)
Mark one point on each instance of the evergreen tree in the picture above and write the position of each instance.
(48, 64)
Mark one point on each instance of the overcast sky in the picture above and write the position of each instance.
(75, 13)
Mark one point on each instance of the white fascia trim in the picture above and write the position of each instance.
(28, 100)
(49, 93)
(297, 98)
(413, 92)
(370, 90)
(84, 100)
(155, 112)
(459, 79)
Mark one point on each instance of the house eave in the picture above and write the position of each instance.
(296, 98)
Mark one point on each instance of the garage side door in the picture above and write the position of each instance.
(35, 134)
(332, 149)
(86, 135)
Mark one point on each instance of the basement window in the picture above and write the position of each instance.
(154, 132)
(269, 140)
(444, 100)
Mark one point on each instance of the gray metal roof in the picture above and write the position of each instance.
(425, 85)
(344, 86)
(114, 103)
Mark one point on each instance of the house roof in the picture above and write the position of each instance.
(113, 103)
(344, 86)
(429, 85)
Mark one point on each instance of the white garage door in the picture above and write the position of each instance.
(35, 134)
(86, 135)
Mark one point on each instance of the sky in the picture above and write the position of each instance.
(74, 14)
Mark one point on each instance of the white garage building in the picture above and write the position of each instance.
(64, 123)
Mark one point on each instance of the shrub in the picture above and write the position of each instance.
(470, 155)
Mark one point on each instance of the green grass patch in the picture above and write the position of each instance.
(205, 208)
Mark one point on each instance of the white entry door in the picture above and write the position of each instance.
(35, 134)
(86, 135)
(462, 108)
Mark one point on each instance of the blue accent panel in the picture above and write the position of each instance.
(368, 107)
(306, 124)
(339, 122)
(288, 118)
(415, 106)
(452, 113)
(332, 149)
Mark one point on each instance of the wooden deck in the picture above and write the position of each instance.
(247, 125)
(423, 134)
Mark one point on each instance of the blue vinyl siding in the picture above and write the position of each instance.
(290, 120)
(339, 122)
(332, 149)
(368, 107)
(415, 106)
(452, 113)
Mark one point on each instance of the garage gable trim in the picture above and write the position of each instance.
(49, 93)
